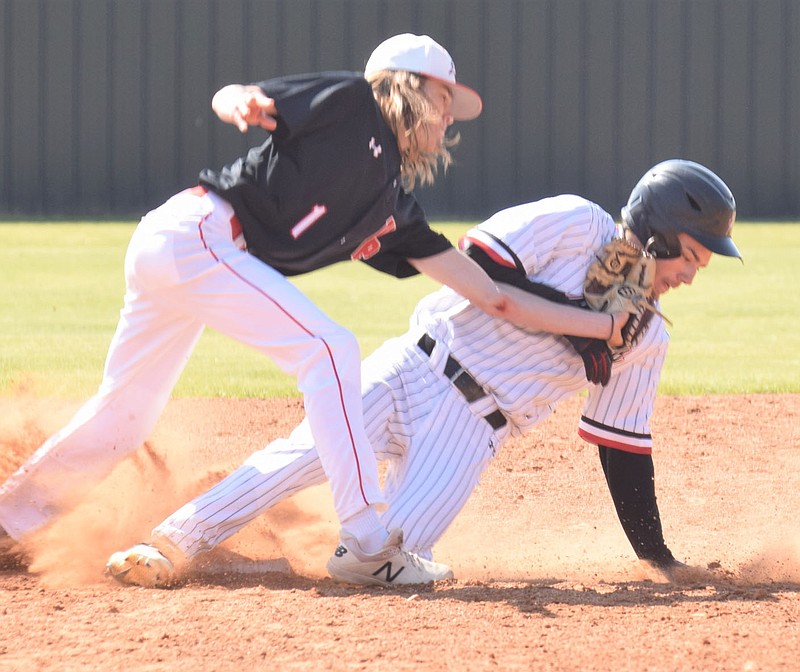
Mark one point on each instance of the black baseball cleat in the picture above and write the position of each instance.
(11, 554)
(6, 542)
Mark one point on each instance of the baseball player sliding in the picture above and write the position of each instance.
(441, 400)
(331, 182)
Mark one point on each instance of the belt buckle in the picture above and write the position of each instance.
(459, 371)
(467, 385)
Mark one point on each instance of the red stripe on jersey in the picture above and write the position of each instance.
(198, 191)
(619, 443)
(494, 255)
(236, 227)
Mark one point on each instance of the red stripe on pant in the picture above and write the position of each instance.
(304, 329)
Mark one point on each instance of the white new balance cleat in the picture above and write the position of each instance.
(391, 566)
(141, 565)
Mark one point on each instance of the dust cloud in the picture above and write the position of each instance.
(552, 524)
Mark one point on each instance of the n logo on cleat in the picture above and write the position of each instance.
(388, 568)
(340, 551)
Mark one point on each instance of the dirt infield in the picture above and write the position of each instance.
(545, 577)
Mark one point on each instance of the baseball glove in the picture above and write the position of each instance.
(597, 357)
(621, 280)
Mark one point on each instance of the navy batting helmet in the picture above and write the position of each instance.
(681, 196)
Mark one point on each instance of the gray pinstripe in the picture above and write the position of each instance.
(436, 444)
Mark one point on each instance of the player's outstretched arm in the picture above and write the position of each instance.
(533, 312)
(464, 276)
(244, 106)
(630, 479)
(527, 311)
(537, 307)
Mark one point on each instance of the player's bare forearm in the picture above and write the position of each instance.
(244, 106)
(464, 276)
(525, 310)
(536, 313)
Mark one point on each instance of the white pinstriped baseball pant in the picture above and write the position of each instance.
(436, 444)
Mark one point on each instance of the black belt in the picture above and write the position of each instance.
(462, 381)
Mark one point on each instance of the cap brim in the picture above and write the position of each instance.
(467, 104)
(719, 245)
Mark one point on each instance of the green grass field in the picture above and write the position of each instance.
(735, 330)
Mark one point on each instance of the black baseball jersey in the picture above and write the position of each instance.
(325, 186)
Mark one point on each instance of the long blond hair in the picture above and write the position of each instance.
(406, 108)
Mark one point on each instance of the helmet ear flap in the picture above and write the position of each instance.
(663, 245)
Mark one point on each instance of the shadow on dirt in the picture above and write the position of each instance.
(536, 597)
(530, 597)
(539, 596)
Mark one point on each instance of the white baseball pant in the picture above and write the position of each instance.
(436, 443)
(185, 268)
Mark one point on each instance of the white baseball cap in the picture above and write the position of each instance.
(423, 55)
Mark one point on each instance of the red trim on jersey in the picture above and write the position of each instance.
(307, 331)
(493, 254)
(598, 440)
(372, 245)
(236, 225)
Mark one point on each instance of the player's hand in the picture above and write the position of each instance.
(678, 573)
(619, 321)
(245, 106)
(255, 109)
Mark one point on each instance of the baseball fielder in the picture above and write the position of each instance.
(441, 400)
(327, 185)
(331, 182)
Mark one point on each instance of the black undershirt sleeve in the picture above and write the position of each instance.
(630, 479)
(513, 276)
(596, 356)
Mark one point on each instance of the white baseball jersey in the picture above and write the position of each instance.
(556, 239)
(438, 444)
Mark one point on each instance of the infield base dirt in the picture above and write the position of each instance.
(545, 577)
